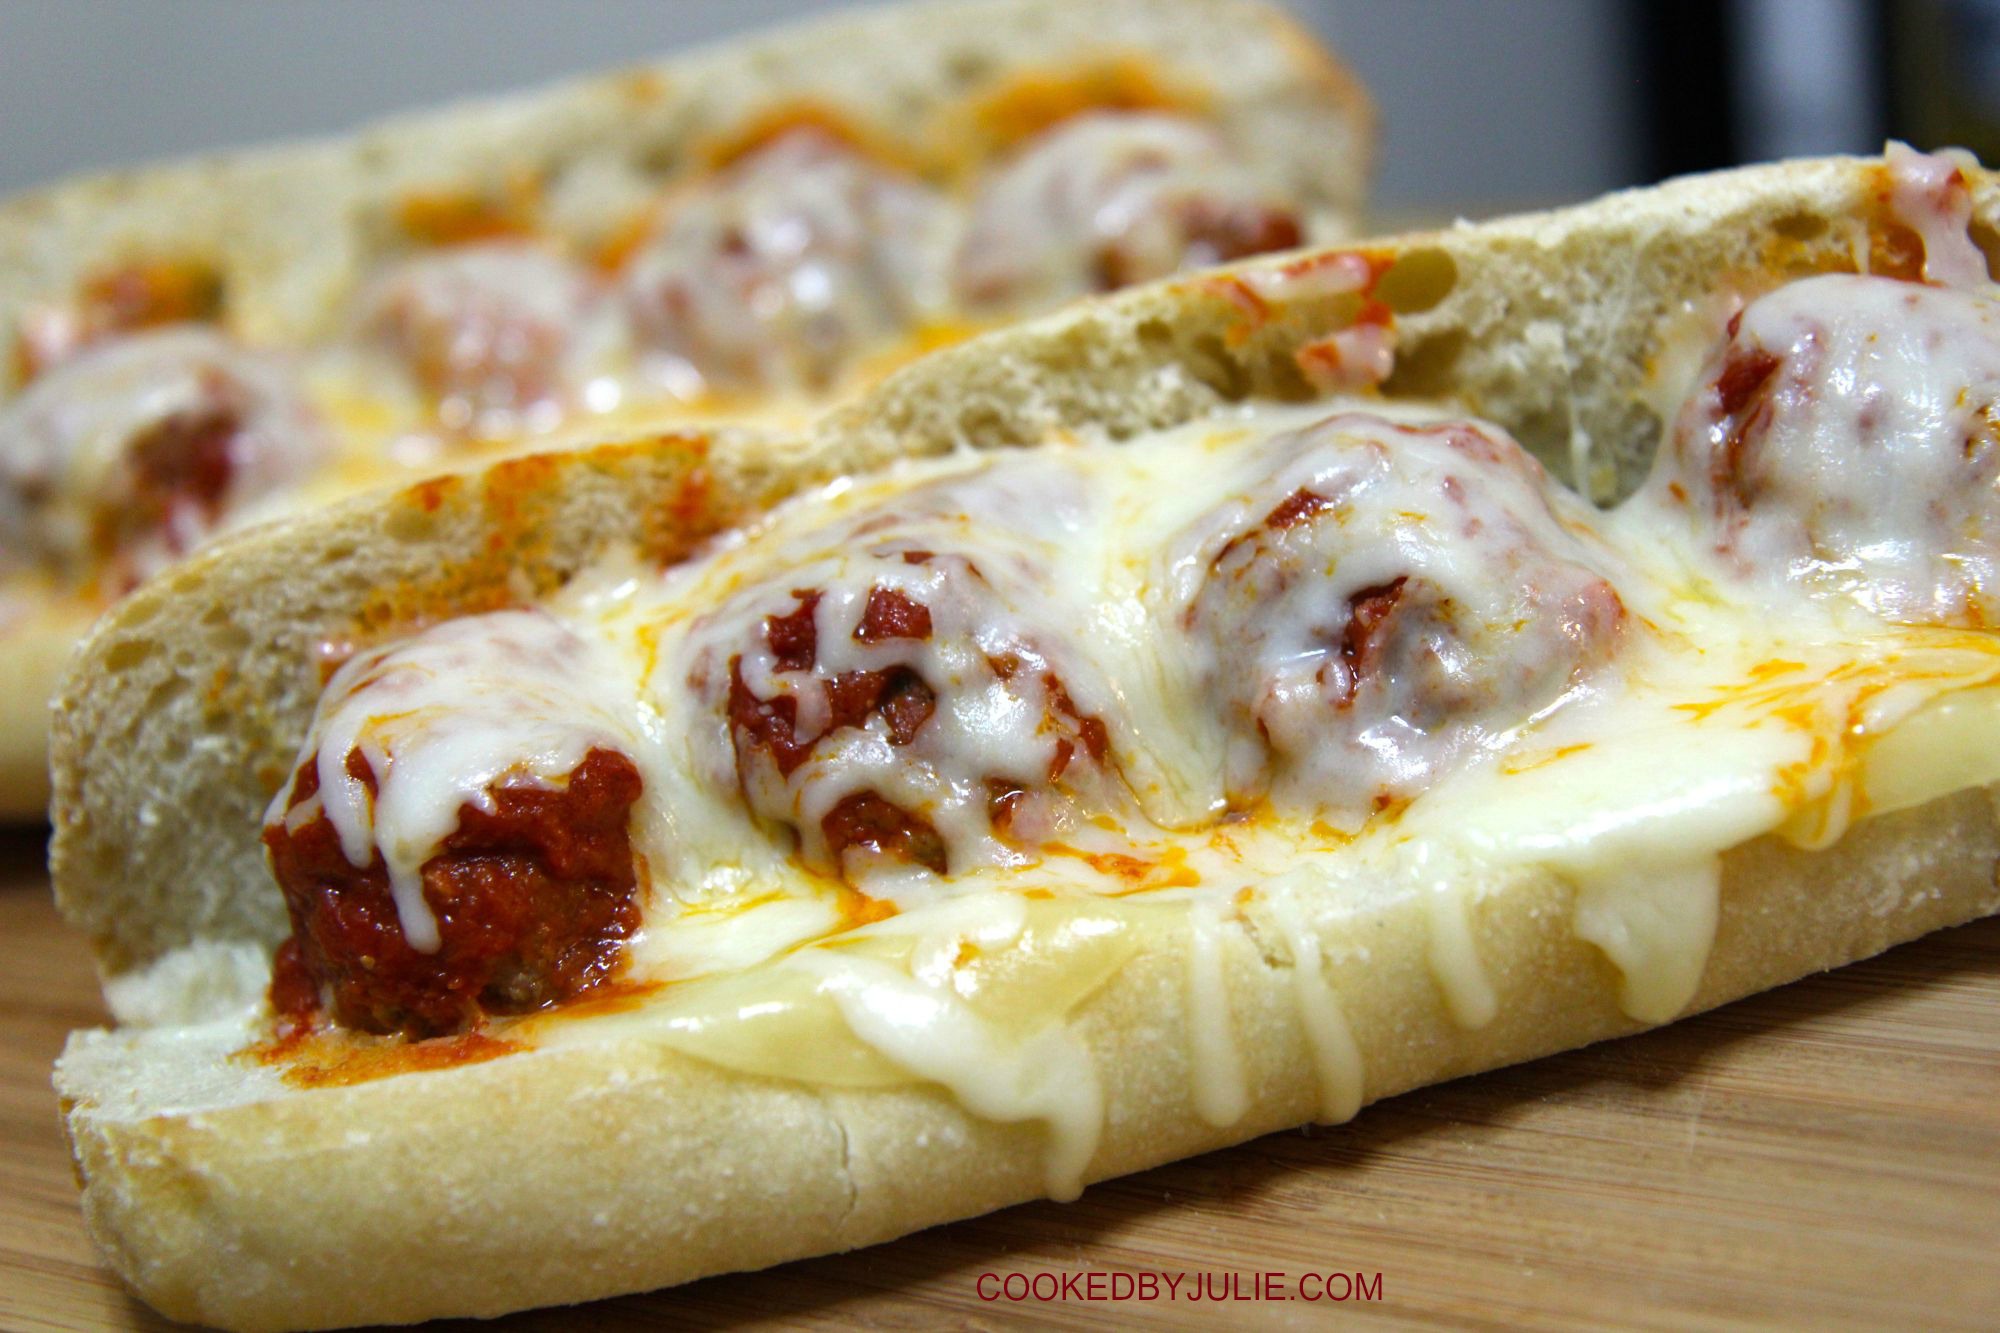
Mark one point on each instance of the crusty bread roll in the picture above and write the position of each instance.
(291, 233)
(608, 1160)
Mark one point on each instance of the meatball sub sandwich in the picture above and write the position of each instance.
(1193, 714)
(758, 228)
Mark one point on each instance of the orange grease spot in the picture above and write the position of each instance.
(611, 997)
(623, 241)
(123, 298)
(1169, 871)
(766, 128)
(429, 495)
(456, 217)
(1025, 106)
(1528, 763)
(858, 909)
(158, 291)
(314, 1059)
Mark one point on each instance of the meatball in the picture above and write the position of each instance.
(783, 268)
(494, 334)
(457, 838)
(1845, 436)
(123, 458)
(1387, 600)
(897, 706)
(533, 894)
(1111, 198)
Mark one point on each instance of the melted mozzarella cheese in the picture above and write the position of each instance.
(783, 268)
(1717, 721)
(1845, 433)
(1221, 1091)
(1928, 193)
(1391, 596)
(1045, 1074)
(503, 337)
(1336, 1055)
(1111, 198)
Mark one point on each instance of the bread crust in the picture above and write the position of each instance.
(565, 1175)
(620, 1165)
(292, 230)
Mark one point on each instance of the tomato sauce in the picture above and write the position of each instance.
(533, 901)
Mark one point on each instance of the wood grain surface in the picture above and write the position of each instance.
(1824, 1155)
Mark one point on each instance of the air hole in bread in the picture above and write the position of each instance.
(966, 68)
(1425, 368)
(1896, 251)
(985, 424)
(1277, 375)
(162, 696)
(1417, 281)
(129, 653)
(1800, 226)
(659, 158)
(1210, 362)
(407, 523)
(230, 636)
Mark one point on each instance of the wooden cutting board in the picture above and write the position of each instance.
(1828, 1154)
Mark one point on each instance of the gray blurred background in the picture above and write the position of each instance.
(1486, 104)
